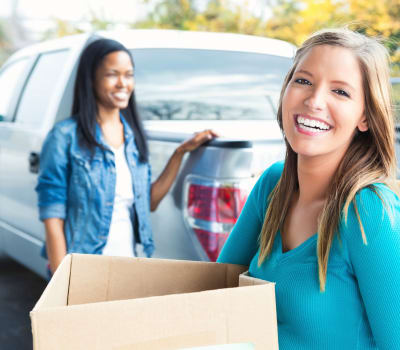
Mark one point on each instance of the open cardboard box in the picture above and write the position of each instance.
(100, 302)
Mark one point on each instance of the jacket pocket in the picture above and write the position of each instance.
(80, 183)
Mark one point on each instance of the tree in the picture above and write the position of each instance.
(293, 21)
(170, 14)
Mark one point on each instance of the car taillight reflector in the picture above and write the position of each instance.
(211, 242)
(212, 209)
(217, 204)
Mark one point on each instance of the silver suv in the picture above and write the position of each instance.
(185, 82)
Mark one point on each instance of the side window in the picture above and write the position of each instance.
(9, 79)
(40, 88)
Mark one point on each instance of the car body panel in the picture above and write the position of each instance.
(245, 147)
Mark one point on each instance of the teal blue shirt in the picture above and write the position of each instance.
(360, 308)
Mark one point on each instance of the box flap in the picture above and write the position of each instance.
(234, 315)
(55, 295)
(56, 292)
(246, 280)
(99, 278)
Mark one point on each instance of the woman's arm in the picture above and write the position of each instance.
(161, 186)
(376, 264)
(55, 242)
(52, 194)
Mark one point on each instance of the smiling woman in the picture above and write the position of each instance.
(95, 190)
(114, 81)
(323, 104)
(324, 224)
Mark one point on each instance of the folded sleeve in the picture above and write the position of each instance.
(376, 263)
(53, 176)
(149, 183)
(242, 243)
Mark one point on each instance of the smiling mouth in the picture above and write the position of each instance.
(311, 125)
(121, 96)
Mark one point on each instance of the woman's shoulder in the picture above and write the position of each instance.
(377, 208)
(378, 196)
(267, 181)
(66, 126)
(271, 175)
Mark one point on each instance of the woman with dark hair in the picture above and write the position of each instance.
(324, 225)
(94, 187)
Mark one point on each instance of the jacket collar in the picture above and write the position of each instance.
(128, 136)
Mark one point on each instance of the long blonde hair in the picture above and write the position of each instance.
(370, 157)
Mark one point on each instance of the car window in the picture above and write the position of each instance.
(396, 100)
(9, 79)
(40, 87)
(190, 84)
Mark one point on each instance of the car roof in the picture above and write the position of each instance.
(162, 38)
(142, 38)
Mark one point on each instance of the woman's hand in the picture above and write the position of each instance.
(196, 141)
(55, 242)
(161, 186)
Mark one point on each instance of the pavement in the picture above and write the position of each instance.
(20, 288)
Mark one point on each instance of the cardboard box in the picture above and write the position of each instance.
(99, 302)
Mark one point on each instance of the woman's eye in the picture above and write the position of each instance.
(341, 92)
(302, 81)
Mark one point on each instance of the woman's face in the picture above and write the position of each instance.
(114, 81)
(323, 104)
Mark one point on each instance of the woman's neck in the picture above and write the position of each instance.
(315, 175)
(107, 116)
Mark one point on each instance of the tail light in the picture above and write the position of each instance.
(211, 210)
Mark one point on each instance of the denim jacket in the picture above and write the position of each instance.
(79, 188)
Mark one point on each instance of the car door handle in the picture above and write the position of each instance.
(34, 162)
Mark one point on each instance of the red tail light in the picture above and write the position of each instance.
(211, 242)
(212, 208)
(222, 204)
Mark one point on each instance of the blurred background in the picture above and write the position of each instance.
(23, 22)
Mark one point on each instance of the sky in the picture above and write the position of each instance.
(118, 10)
(75, 10)
(38, 15)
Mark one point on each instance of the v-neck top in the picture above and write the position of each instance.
(360, 308)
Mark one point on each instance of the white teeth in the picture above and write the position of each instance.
(121, 95)
(312, 124)
(314, 130)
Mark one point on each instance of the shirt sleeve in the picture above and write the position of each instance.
(53, 176)
(242, 243)
(376, 264)
(149, 182)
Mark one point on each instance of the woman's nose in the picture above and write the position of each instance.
(316, 100)
(121, 81)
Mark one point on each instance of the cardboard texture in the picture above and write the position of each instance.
(100, 302)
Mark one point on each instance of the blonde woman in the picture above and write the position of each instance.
(325, 223)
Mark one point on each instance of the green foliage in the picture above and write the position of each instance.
(291, 20)
(170, 14)
(295, 20)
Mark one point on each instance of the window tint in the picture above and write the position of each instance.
(40, 87)
(189, 84)
(9, 79)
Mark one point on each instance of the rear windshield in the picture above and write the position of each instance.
(188, 84)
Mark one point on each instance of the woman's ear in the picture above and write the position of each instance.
(362, 124)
